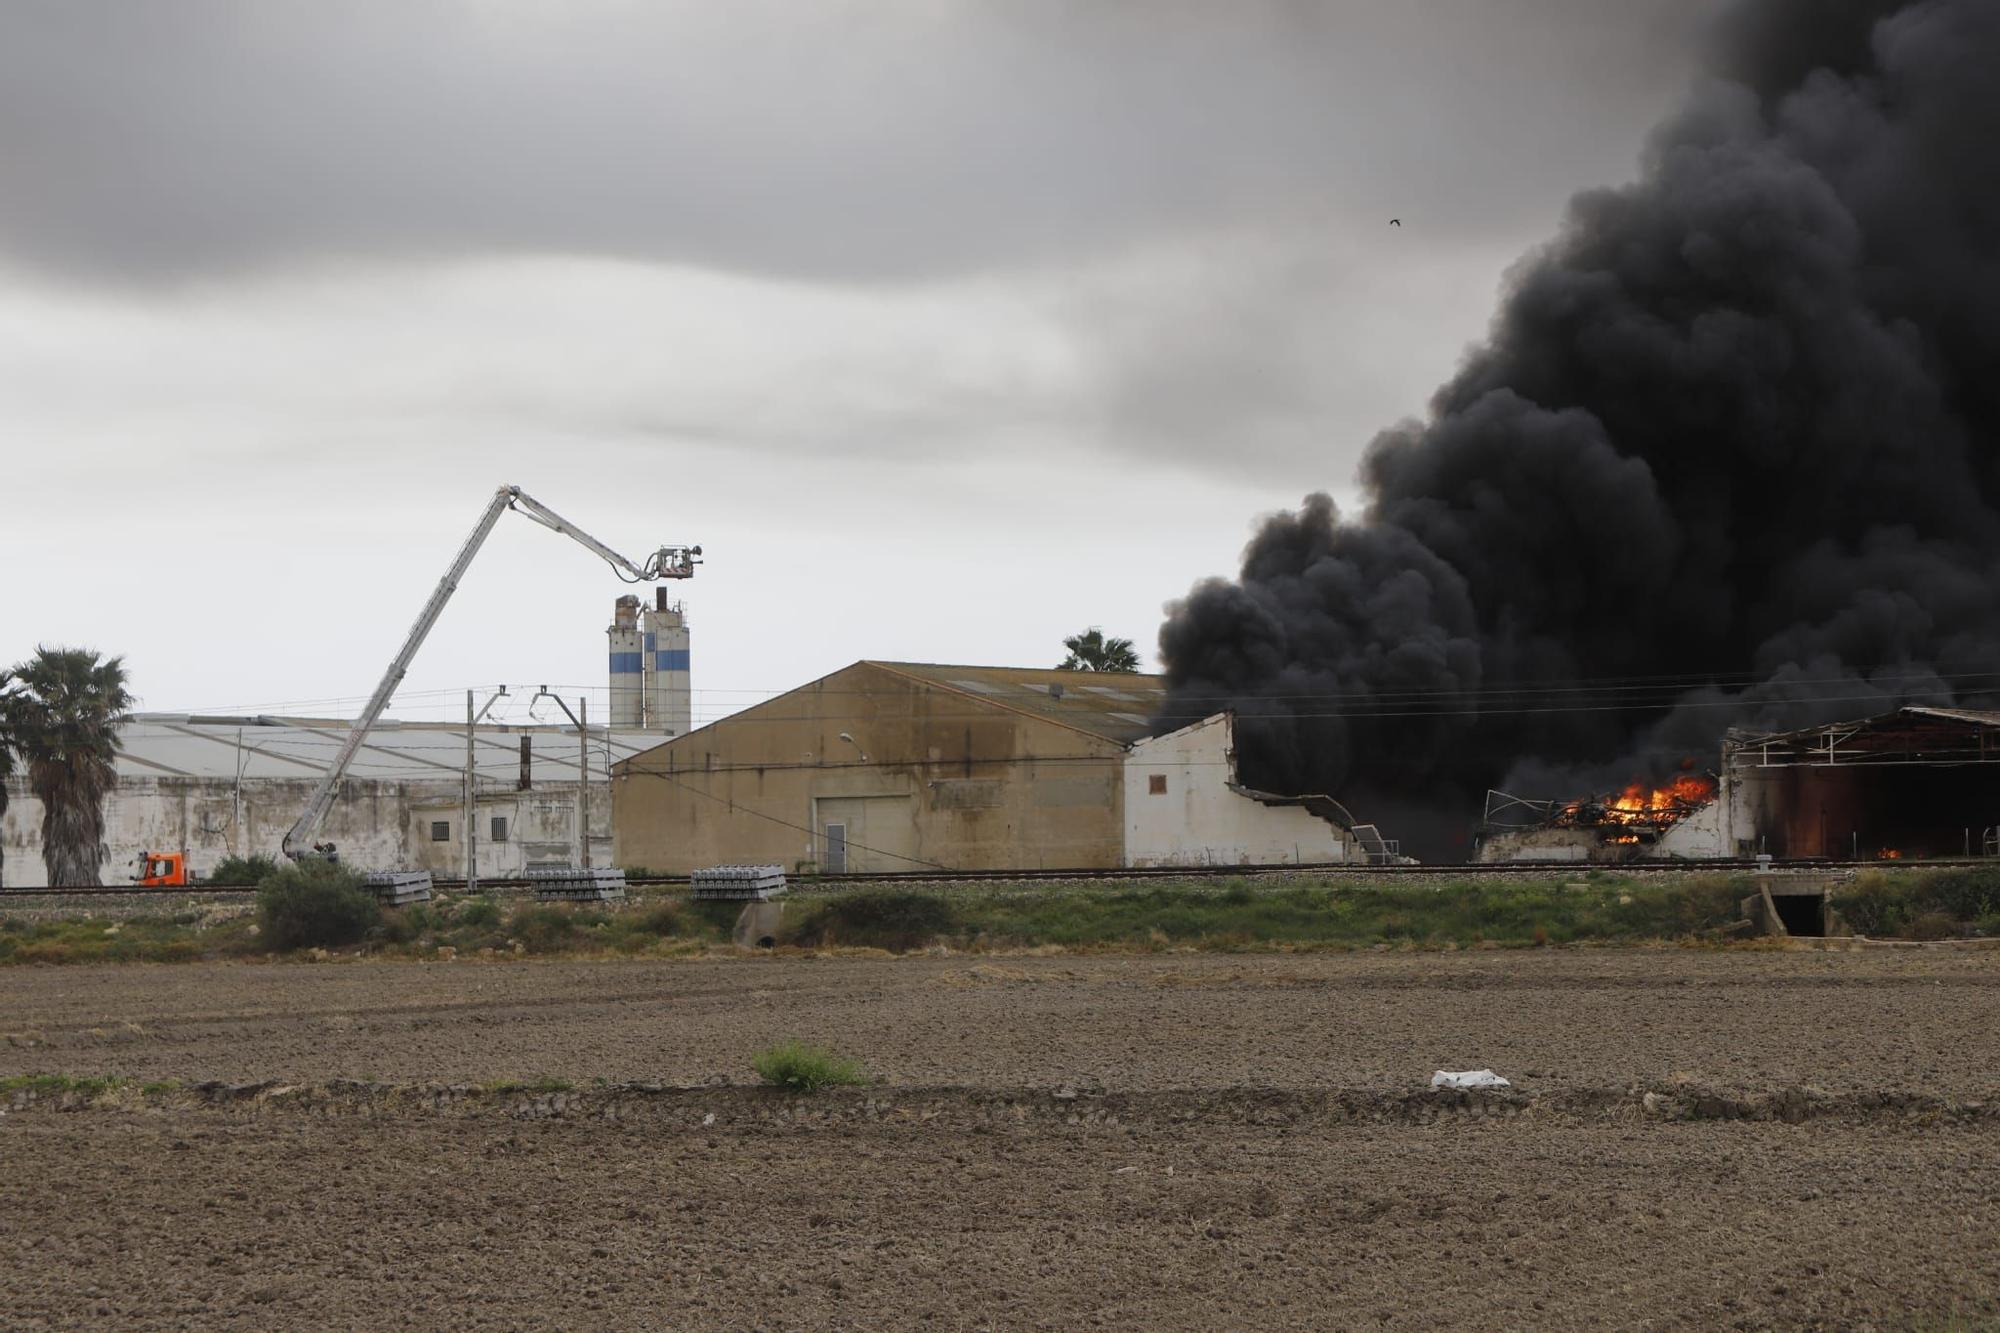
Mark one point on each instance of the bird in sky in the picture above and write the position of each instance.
(1395, 222)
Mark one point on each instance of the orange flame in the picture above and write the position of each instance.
(1639, 804)
(1642, 806)
(1890, 854)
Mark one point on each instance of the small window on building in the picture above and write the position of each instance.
(499, 828)
(1156, 784)
(440, 830)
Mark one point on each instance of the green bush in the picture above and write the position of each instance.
(1963, 895)
(402, 925)
(645, 927)
(1934, 926)
(1937, 903)
(315, 904)
(897, 920)
(804, 1068)
(480, 913)
(545, 929)
(661, 919)
(245, 870)
(1873, 905)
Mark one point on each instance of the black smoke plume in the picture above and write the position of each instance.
(1727, 458)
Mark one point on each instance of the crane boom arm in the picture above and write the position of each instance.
(669, 562)
(549, 518)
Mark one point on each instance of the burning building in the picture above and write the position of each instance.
(1727, 459)
(1916, 783)
(1682, 820)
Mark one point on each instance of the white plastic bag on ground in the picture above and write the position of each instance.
(1470, 1078)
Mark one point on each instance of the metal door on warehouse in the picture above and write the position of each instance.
(865, 833)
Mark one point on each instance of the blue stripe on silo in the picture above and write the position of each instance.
(671, 659)
(624, 662)
(652, 641)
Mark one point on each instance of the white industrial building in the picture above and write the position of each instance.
(213, 787)
(220, 786)
(1209, 818)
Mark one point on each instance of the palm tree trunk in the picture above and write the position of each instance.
(72, 824)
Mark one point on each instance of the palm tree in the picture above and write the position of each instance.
(1091, 651)
(63, 708)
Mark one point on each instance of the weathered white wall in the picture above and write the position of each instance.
(1547, 844)
(1198, 820)
(376, 825)
(1696, 838)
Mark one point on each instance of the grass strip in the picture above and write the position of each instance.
(1468, 911)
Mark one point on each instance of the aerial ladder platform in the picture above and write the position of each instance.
(403, 886)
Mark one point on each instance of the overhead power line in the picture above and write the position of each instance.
(1091, 681)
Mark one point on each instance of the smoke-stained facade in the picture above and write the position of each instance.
(1726, 458)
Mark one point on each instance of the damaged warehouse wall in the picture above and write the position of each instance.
(1184, 806)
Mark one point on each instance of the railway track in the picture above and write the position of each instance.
(1090, 876)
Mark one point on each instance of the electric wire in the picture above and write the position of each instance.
(1581, 685)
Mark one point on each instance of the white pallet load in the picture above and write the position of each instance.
(399, 888)
(737, 883)
(597, 884)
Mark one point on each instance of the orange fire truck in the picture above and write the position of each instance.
(162, 870)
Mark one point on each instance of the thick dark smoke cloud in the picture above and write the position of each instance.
(1728, 457)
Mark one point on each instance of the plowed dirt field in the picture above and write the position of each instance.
(1693, 1140)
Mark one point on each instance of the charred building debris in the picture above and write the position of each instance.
(1916, 783)
(1675, 821)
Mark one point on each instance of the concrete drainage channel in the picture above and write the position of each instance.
(1796, 906)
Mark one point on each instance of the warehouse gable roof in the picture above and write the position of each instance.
(1112, 707)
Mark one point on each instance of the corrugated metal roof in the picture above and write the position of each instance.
(177, 745)
(1976, 716)
(1114, 707)
(1880, 725)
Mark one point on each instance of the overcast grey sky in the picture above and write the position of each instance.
(947, 328)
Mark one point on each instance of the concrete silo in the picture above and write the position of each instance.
(669, 690)
(628, 667)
